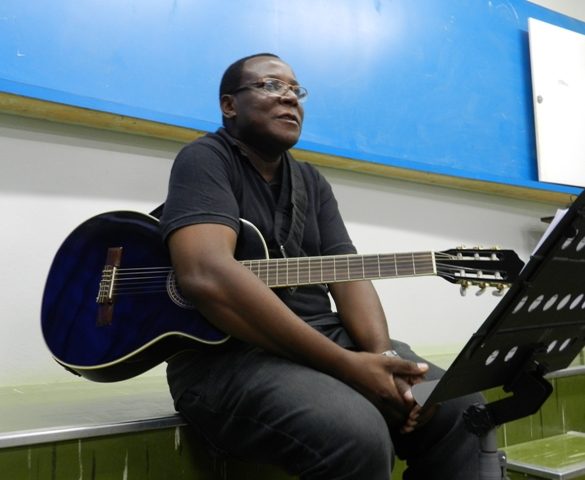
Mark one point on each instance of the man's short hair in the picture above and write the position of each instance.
(232, 77)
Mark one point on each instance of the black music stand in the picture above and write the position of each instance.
(538, 327)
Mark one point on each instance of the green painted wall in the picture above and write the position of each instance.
(172, 454)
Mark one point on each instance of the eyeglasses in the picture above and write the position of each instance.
(273, 86)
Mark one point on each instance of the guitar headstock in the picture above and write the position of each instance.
(479, 267)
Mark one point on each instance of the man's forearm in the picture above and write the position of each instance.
(362, 315)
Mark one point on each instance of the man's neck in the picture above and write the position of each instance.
(267, 165)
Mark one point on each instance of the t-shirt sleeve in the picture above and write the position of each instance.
(200, 190)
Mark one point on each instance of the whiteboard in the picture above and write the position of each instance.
(435, 90)
(557, 58)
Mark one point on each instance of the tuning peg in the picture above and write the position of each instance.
(482, 287)
(499, 291)
(463, 289)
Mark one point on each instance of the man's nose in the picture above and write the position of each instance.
(290, 96)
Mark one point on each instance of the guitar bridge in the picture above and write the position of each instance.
(105, 296)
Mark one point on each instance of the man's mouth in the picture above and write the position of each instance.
(289, 117)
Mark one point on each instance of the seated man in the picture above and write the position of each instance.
(324, 395)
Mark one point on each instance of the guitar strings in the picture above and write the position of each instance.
(154, 279)
(304, 270)
(139, 280)
(469, 273)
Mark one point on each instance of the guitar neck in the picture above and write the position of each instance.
(290, 272)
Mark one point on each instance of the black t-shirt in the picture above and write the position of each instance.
(212, 181)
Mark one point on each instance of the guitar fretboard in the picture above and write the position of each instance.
(288, 272)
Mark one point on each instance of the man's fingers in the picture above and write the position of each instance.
(399, 366)
(418, 417)
(404, 389)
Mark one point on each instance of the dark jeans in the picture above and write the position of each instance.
(257, 407)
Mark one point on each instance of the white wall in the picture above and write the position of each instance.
(571, 8)
(53, 177)
(398, 216)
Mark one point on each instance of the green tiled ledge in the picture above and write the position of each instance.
(167, 454)
(557, 457)
(562, 412)
(128, 430)
(33, 414)
(159, 450)
(163, 454)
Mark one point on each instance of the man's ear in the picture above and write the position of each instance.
(228, 107)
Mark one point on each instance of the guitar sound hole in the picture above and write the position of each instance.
(175, 294)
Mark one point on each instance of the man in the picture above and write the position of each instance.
(323, 395)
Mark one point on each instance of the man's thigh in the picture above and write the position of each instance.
(267, 409)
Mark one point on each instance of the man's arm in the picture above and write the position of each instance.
(363, 317)
(237, 302)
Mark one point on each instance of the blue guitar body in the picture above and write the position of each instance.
(111, 308)
(146, 327)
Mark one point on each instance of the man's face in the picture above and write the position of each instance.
(267, 122)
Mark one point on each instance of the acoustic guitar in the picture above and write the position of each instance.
(112, 309)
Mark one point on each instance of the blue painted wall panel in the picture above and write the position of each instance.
(431, 85)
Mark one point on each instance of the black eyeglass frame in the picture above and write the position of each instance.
(300, 92)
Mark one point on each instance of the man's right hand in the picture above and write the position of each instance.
(387, 383)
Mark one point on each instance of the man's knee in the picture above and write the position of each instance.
(359, 444)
